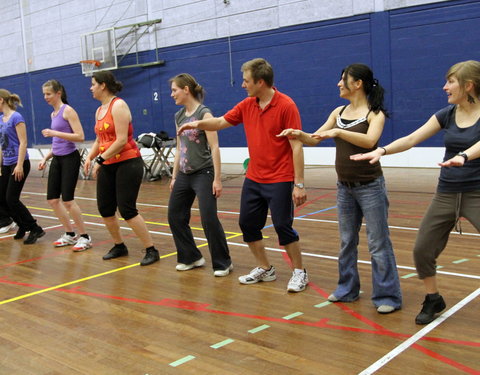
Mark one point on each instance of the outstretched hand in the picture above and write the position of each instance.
(332, 133)
(291, 133)
(373, 156)
(456, 161)
(187, 126)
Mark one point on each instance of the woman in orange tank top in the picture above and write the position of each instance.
(118, 167)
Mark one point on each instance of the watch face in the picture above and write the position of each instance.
(300, 186)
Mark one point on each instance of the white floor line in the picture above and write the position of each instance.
(270, 249)
(423, 332)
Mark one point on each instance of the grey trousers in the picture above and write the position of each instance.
(439, 220)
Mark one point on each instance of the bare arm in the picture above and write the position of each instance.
(472, 153)
(71, 116)
(212, 138)
(310, 139)
(21, 130)
(212, 124)
(430, 128)
(299, 195)
(365, 140)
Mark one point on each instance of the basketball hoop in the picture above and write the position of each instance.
(88, 66)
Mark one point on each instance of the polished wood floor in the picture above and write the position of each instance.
(73, 313)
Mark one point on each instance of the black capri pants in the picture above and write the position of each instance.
(63, 176)
(118, 185)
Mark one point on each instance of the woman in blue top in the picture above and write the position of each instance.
(65, 166)
(15, 166)
(196, 172)
(458, 191)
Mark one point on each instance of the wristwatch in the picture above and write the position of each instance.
(300, 185)
(99, 159)
(463, 155)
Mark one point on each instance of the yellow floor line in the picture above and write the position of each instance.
(75, 282)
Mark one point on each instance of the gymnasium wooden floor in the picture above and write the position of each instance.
(73, 313)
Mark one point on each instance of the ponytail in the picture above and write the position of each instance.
(12, 100)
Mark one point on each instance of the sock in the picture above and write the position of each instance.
(71, 234)
(121, 244)
(84, 235)
(150, 248)
(299, 270)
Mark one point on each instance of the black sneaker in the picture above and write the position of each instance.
(34, 235)
(431, 306)
(150, 257)
(116, 251)
(20, 234)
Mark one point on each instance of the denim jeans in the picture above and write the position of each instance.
(369, 201)
(185, 189)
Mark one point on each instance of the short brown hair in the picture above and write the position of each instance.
(259, 69)
(465, 71)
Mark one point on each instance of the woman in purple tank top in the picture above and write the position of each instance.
(65, 166)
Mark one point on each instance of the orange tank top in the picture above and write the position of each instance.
(105, 131)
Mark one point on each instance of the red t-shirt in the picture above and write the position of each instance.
(271, 158)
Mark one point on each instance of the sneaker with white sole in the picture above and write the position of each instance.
(82, 244)
(186, 267)
(258, 274)
(8, 228)
(65, 240)
(298, 282)
(225, 272)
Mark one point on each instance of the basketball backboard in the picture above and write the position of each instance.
(99, 46)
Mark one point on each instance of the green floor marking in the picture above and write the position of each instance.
(222, 343)
(291, 316)
(323, 304)
(409, 275)
(460, 261)
(181, 361)
(258, 329)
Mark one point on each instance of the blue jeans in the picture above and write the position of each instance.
(354, 203)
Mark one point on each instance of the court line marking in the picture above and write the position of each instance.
(419, 335)
(181, 361)
(330, 257)
(222, 343)
(74, 282)
(259, 328)
(300, 218)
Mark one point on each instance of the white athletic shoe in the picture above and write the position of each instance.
(82, 244)
(225, 272)
(186, 267)
(258, 274)
(65, 240)
(8, 228)
(298, 282)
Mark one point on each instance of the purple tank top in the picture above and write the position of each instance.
(61, 146)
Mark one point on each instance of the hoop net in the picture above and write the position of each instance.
(88, 66)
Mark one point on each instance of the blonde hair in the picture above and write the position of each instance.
(466, 71)
(12, 100)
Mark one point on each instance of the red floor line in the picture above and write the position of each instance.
(311, 201)
(203, 307)
(446, 360)
(433, 354)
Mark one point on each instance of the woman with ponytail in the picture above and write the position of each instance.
(65, 129)
(196, 172)
(15, 167)
(356, 128)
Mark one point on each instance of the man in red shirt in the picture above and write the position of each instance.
(275, 172)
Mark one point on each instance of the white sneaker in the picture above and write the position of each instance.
(82, 244)
(225, 272)
(298, 282)
(8, 227)
(65, 240)
(258, 274)
(186, 267)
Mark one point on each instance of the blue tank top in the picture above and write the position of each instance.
(9, 141)
(61, 146)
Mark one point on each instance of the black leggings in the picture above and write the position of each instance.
(63, 176)
(117, 186)
(10, 191)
